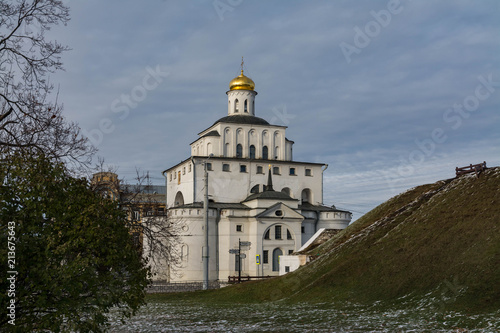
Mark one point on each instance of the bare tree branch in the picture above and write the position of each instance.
(28, 119)
(156, 234)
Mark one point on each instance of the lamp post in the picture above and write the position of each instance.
(205, 252)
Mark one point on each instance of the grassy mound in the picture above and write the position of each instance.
(436, 244)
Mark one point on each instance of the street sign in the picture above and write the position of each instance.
(257, 259)
(243, 256)
(245, 243)
(234, 251)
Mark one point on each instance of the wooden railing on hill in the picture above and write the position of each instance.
(477, 168)
(236, 279)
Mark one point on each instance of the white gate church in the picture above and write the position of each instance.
(257, 194)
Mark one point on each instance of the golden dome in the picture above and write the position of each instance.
(241, 82)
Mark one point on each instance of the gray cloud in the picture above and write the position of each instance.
(359, 117)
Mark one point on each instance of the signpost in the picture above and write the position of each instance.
(237, 252)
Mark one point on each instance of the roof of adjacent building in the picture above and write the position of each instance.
(321, 236)
(320, 208)
(269, 195)
(212, 133)
(145, 189)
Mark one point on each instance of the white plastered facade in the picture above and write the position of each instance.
(240, 150)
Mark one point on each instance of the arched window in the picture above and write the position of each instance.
(253, 107)
(246, 106)
(265, 153)
(209, 149)
(267, 234)
(276, 152)
(226, 150)
(184, 252)
(179, 199)
(236, 105)
(255, 189)
(239, 150)
(287, 191)
(306, 195)
(252, 151)
(277, 253)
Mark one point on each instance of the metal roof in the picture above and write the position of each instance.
(320, 208)
(242, 119)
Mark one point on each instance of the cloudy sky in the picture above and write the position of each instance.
(390, 94)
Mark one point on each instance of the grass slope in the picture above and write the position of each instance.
(437, 243)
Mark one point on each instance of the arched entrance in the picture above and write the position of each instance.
(276, 259)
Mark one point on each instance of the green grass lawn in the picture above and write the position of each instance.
(431, 252)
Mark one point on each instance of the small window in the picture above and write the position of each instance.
(189, 168)
(209, 166)
(184, 170)
(239, 228)
(260, 169)
(225, 167)
(175, 175)
(308, 172)
(288, 234)
(246, 106)
(243, 168)
(236, 105)
(276, 170)
(287, 269)
(303, 230)
(279, 212)
(277, 232)
(179, 178)
(292, 171)
(265, 257)
(266, 236)
(290, 251)
(137, 215)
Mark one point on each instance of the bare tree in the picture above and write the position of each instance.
(28, 118)
(155, 233)
(158, 232)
